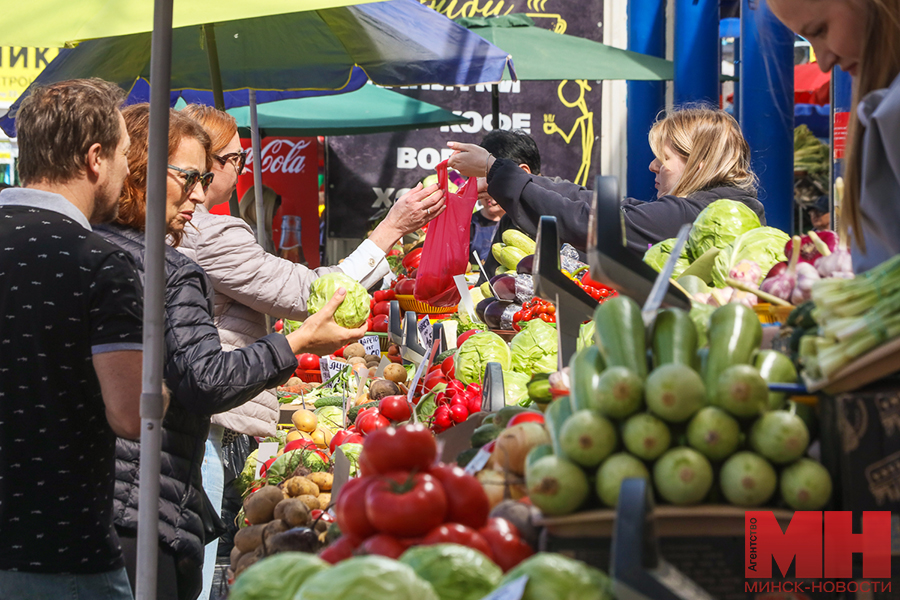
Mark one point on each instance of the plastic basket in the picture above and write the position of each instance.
(309, 375)
(770, 313)
(384, 342)
(410, 303)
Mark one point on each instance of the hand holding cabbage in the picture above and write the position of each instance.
(338, 308)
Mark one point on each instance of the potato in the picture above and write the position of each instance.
(354, 350)
(323, 480)
(247, 559)
(381, 388)
(260, 505)
(356, 360)
(248, 539)
(299, 486)
(395, 372)
(235, 556)
(311, 502)
(293, 381)
(324, 500)
(294, 512)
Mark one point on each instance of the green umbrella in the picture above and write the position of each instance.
(368, 110)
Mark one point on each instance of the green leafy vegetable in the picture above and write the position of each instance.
(245, 479)
(534, 348)
(331, 416)
(585, 335)
(284, 466)
(718, 225)
(515, 386)
(278, 576)
(476, 352)
(764, 246)
(367, 578)
(289, 326)
(456, 572)
(561, 578)
(352, 452)
(657, 255)
(353, 311)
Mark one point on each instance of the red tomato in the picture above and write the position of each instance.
(338, 550)
(465, 336)
(300, 444)
(406, 287)
(372, 421)
(390, 295)
(382, 544)
(370, 324)
(363, 413)
(448, 367)
(467, 503)
(350, 509)
(406, 504)
(308, 361)
(454, 533)
(338, 438)
(509, 549)
(265, 466)
(320, 515)
(526, 417)
(400, 449)
(395, 408)
(380, 323)
(382, 308)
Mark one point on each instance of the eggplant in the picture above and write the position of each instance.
(482, 306)
(504, 286)
(499, 314)
(526, 265)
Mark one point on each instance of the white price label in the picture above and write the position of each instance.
(514, 590)
(329, 367)
(372, 344)
(465, 297)
(479, 460)
(426, 332)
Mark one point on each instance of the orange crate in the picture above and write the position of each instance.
(410, 303)
(309, 375)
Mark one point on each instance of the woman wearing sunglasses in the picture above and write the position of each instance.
(251, 283)
(203, 377)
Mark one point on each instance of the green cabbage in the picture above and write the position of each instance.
(718, 225)
(285, 465)
(289, 326)
(515, 386)
(561, 578)
(246, 477)
(278, 576)
(534, 348)
(331, 417)
(314, 462)
(476, 352)
(352, 452)
(367, 578)
(353, 311)
(456, 572)
(657, 255)
(764, 246)
(585, 335)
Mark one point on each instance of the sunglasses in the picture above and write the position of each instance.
(192, 177)
(238, 159)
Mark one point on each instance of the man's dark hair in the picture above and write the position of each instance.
(516, 145)
(57, 124)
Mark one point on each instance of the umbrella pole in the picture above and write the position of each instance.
(154, 303)
(257, 183)
(495, 106)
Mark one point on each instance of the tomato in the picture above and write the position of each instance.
(308, 361)
(278, 326)
(459, 412)
(266, 465)
(509, 549)
(340, 549)
(526, 417)
(406, 504)
(395, 408)
(382, 544)
(448, 367)
(350, 509)
(462, 338)
(372, 421)
(362, 413)
(400, 449)
(454, 533)
(380, 323)
(299, 445)
(381, 308)
(406, 287)
(341, 436)
(467, 502)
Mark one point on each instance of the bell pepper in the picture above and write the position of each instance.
(412, 259)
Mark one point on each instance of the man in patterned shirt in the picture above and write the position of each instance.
(70, 347)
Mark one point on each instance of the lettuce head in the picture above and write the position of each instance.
(366, 578)
(353, 311)
(278, 576)
(764, 246)
(534, 348)
(657, 255)
(456, 572)
(476, 352)
(555, 576)
(515, 386)
(331, 417)
(718, 225)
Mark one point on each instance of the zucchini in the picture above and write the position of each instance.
(585, 368)
(502, 416)
(444, 356)
(775, 367)
(354, 410)
(619, 331)
(485, 434)
(674, 339)
(517, 239)
(554, 417)
(734, 336)
(510, 257)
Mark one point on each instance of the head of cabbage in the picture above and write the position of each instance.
(718, 225)
(764, 246)
(515, 387)
(367, 578)
(456, 572)
(353, 310)
(657, 255)
(556, 576)
(278, 576)
(534, 349)
(476, 352)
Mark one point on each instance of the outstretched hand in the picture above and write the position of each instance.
(410, 212)
(320, 334)
(470, 160)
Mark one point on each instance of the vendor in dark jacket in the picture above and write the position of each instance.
(701, 157)
(202, 377)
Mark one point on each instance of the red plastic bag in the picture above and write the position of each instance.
(446, 249)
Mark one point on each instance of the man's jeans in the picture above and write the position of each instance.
(46, 586)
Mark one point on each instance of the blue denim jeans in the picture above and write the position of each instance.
(47, 586)
(213, 473)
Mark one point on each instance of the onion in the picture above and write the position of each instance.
(516, 442)
(782, 285)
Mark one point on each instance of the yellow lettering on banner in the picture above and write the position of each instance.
(470, 8)
(19, 67)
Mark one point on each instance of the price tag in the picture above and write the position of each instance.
(462, 286)
(372, 344)
(450, 331)
(341, 473)
(479, 460)
(330, 367)
(426, 331)
(379, 372)
(266, 451)
(514, 590)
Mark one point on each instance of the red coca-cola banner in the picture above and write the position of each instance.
(290, 168)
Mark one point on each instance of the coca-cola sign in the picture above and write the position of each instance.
(281, 155)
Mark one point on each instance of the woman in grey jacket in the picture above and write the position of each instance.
(251, 283)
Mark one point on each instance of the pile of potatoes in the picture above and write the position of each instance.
(280, 520)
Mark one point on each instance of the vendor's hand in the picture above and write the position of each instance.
(320, 334)
(470, 160)
(410, 212)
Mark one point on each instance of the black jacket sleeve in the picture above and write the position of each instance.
(204, 378)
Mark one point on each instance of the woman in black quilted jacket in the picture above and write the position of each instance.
(203, 378)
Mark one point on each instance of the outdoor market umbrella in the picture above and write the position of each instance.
(542, 55)
(393, 55)
(811, 85)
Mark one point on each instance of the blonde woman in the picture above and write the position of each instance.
(863, 38)
(701, 157)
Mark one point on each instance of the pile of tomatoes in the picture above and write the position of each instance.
(403, 499)
(536, 308)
